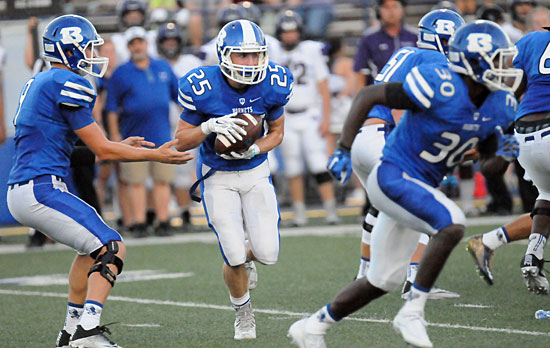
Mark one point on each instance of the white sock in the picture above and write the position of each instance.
(363, 268)
(321, 321)
(238, 302)
(467, 193)
(417, 299)
(72, 317)
(91, 315)
(495, 238)
(536, 245)
(330, 208)
(411, 271)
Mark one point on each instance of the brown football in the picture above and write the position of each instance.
(224, 146)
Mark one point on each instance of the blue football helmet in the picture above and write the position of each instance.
(71, 40)
(436, 28)
(483, 51)
(245, 37)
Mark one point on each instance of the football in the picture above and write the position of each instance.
(224, 146)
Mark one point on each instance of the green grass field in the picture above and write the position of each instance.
(195, 311)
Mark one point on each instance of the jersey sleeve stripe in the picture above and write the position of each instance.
(185, 105)
(79, 87)
(71, 104)
(416, 92)
(425, 86)
(76, 95)
(186, 97)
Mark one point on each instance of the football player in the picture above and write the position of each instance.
(170, 46)
(308, 116)
(435, 30)
(532, 130)
(236, 189)
(55, 108)
(446, 116)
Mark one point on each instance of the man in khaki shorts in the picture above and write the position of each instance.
(139, 94)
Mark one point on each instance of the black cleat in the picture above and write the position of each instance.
(63, 339)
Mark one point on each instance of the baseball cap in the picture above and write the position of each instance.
(135, 33)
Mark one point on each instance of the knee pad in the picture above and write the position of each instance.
(108, 258)
(323, 177)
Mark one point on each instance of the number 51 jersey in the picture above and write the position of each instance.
(204, 93)
(429, 142)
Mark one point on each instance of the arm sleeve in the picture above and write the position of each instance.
(77, 117)
(519, 58)
(362, 56)
(75, 91)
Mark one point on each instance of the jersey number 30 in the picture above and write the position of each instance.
(457, 154)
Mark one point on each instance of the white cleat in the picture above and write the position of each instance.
(412, 326)
(245, 323)
(252, 274)
(299, 337)
(93, 338)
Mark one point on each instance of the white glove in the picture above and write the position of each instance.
(227, 125)
(252, 151)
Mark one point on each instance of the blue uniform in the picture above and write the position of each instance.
(52, 105)
(142, 99)
(44, 137)
(534, 59)
(204, 93)
(397, 67)
(427, 144)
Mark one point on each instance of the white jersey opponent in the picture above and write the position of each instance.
(309, 67)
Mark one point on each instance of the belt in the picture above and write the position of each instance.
(525, 127)
(41, 179)
(296, 111)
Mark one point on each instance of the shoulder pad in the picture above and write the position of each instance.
(430, 84)
(278, 84)
(195, 86)
(73, 90)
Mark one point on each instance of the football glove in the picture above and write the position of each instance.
(508, 146)
(228, 125)
(252, 151)
(339, 165)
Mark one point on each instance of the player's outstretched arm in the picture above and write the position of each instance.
(109, 150)
(389, 94)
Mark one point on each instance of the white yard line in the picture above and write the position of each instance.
(208, 237)
(269, 311)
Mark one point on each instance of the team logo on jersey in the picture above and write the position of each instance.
(71, 35)
(479, 42)
(445, 27)
(242, 101)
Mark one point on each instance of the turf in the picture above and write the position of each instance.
(310, 271)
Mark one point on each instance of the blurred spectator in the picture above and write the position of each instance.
(446, 5)
(131, 13)
(139, 94)
(317, 15)
(493, 13)
(538, 19)
(195, 21)
(379, 43)
(467, 9)
(170, 47)
(519, 10)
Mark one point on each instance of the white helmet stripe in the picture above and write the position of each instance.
(248, 31)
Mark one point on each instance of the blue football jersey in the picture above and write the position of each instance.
(429, 142)
(52, 105)
(204, 93)
(534, 59)
(397, 67)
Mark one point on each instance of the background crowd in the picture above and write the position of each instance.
(152, 44)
